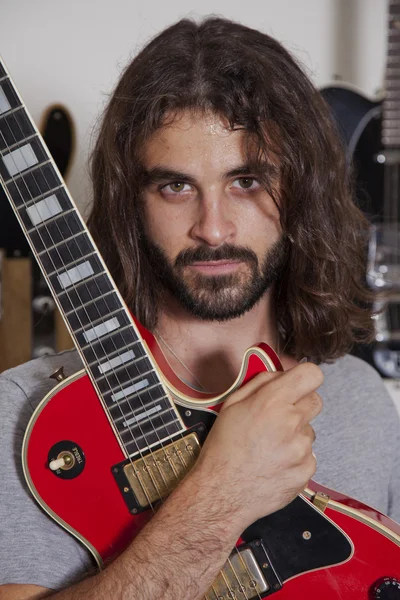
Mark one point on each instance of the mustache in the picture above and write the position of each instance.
(225, 252)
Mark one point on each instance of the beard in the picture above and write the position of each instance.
(217, 297)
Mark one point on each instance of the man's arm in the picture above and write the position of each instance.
(263, 438)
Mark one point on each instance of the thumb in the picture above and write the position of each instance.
(251, 387)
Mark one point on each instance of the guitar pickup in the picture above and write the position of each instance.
(247, 574)
(144, 480)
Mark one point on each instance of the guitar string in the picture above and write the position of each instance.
(12, 178)
(16, 184)
(128, 400)
(122, 441)
(51, 260)
(74, 288)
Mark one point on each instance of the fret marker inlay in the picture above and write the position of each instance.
(20, 159)
(117, 361)
(43, 210)
(75, 274)
(4, 103)
(131, 388)
(100, 330)
(142, 415)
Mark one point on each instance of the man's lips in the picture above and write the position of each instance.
(215, 266)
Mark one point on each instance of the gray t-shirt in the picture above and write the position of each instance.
(357, 446)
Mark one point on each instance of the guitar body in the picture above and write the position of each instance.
(351, 546)
(359, 121)
(71, 416)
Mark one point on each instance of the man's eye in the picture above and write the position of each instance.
(246, 183)
(176, 186)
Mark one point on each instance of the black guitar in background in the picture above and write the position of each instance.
(371, 131)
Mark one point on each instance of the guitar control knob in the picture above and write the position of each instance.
(386, 588)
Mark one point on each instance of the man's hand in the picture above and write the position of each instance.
(258, 455)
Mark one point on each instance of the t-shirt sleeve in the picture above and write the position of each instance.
(34, 549)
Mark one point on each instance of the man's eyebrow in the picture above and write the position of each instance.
(159, 174)
(240, 171)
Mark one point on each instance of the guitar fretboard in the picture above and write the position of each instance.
(391, 103)
(97, 318)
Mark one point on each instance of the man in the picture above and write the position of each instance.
(223, 210)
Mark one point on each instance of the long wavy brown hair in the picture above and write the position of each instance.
(250, 79)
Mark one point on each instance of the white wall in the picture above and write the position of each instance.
(72, 51)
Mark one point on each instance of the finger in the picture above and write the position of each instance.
(290, 386)
(309, 406)
(308, 430)
(304, 378)
(252, 387)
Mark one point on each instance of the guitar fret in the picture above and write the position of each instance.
(66, 253)
(122, 330)
(11, 111)
(51, 220)
(152, 427)
(91, 289)
(138, 448)
(131, 389)
(30, 185)
(163, 401)
(56, 230)
(26, 172)
(66, 265)
(88, 280)
(144, 397)
(115, 385)
(58, 188)
(140, 418)
(25, 156)
(117, 378)
(86, 304)
(111, 355)
(74, 276)
(17, 143)
(158, 420)
(151, 439)
(155, 428)
(95, 309)
(100, 320)
(56, 246)
(125, 359)
(9, 99)
(15, 127)
(133, 423)
(3, 78)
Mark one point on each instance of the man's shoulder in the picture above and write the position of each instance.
(31, 380)
(357, 384)
(350, 367)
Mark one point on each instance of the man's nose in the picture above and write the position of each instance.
(214, 224)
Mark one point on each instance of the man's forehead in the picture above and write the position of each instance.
(196, 137)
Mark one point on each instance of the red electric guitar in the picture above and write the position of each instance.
(115, 439)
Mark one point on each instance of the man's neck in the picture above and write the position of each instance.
(210, 353)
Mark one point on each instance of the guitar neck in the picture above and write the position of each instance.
(391, 103)
(100, 324)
